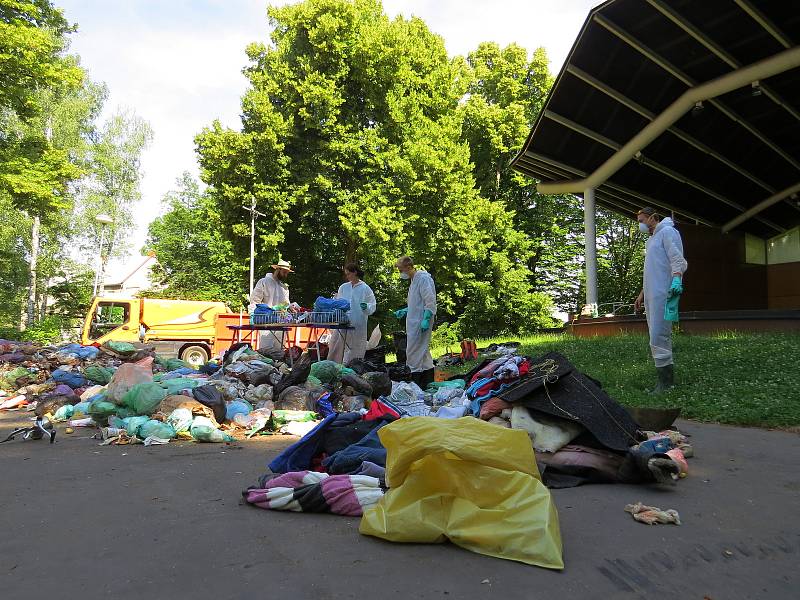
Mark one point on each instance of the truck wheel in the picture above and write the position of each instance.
(195, 355)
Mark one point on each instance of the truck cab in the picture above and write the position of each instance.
(184, 329)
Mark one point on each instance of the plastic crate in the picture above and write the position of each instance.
(275, 317)
(332, 317)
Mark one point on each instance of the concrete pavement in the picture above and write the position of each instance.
(83, 521)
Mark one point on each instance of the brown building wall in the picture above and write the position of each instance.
(783, 285)
(718, 277)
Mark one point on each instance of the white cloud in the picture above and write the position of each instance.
(178, 64)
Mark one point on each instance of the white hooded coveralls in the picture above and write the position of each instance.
(421, 297)
(357, 337)
(663, 257)
(272, 292)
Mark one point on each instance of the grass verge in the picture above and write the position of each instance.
(733, 378)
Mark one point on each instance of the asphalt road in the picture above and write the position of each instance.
(83, 521)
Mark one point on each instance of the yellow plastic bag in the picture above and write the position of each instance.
(468, 481)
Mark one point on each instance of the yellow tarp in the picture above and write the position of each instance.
(468, 481)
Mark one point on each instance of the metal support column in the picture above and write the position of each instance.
(589, 213)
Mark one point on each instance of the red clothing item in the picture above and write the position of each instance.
(493, 407)
(378, 409)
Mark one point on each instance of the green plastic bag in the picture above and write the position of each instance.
(326, 371)
(153, 428)
(123, 412)
(132, 424)
(174, 386)
(313, 380)
(281, 417)
(12, 376)
(101, 375)
(170, 364)
(121, 347)
(100, 410)
(203, 430)
(144, 398)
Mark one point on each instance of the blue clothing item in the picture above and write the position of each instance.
(350, 459)
(299, 455)
(261, 309)
(324, 406)
(477, 401)
(70, 378)
(178, 373)
(322, 304)
(82, 352)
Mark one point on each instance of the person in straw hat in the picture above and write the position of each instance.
(273, 291)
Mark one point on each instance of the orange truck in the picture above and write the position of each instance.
(193, 330)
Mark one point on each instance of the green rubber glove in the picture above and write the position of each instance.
(426, 321)
(671, 308)
(363, 306)
(401, 313)
(676, 288)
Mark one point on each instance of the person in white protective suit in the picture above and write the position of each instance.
(419, 315)
(664, 266)
(273, 291)
(362, 305)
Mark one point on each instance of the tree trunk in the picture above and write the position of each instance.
(43, 299)
(31, 314)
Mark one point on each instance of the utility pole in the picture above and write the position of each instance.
(253, 212)
(104, 221)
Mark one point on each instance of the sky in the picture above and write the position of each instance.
(177, 63)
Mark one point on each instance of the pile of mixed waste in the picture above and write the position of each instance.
(473, 466)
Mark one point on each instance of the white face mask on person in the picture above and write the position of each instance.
(404, 275)
(644, 228)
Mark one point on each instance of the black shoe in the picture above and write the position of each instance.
(666, 379)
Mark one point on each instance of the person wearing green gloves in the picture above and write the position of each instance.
(419, 320)
(664, 266)
(362, 305)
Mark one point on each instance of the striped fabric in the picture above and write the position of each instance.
(310, 491)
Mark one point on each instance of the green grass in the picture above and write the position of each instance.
(739, 379)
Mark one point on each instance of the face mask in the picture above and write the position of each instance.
(404, 275)
(644, 228)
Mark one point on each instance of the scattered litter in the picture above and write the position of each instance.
(652, 515)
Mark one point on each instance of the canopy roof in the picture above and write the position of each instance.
(733, 161)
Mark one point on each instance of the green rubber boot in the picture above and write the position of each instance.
(666, 379)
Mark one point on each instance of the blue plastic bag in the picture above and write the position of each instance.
(322, 304)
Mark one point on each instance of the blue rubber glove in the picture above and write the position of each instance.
(426, 321)
(363, 306)
(676, 289)
(401, 313)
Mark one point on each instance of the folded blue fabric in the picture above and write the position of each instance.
(70, 378)
(262, 308)
(349, 460)
(298, 456)
(322, 304)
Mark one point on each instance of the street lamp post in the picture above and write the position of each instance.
(104, 221)
(253, 212)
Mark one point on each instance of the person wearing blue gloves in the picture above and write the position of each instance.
(664, 266)
(419, 320)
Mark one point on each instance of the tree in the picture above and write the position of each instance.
(33, 40)
(112, 184)
(195, 260)
(506, 92)
(620, 258)
(351, 145)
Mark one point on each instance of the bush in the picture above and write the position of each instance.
(50, 330)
